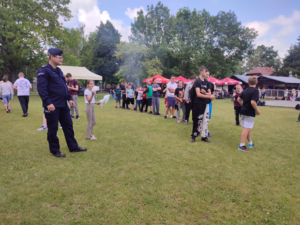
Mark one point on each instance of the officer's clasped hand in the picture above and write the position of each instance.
(51, 107)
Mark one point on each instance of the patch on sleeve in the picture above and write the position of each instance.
(40, 74)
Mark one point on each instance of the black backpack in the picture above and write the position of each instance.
(192, 93)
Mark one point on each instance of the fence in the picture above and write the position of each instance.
(273, 93)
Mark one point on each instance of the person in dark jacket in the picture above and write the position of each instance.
(52, 88)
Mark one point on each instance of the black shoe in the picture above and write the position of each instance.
(205, 139)
(72, 117)
(116, 106)
(120, 106)
(25, 114)
(192, 139)
(209, 135)
(77, 118)
(150, 112)
(9, 111)
(237, 125)
(158, 114)
(165, 117)
(174, 117)
(79, 149)
(59, 154)
(298, 120)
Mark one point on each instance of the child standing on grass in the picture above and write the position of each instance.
(89, 98)
(248, 100)
(129, 96)
(139, 98)
(144, 100)
(237, 105)
(117, 93)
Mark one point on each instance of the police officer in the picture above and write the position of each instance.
(52, 88)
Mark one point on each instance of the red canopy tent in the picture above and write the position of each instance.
(160, 79)
(229, 81)
(215, 81)
(184, 80)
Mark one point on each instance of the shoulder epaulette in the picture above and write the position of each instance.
(43, 66)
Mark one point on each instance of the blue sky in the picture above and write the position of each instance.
(277, 21)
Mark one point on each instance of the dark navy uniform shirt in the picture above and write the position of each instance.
(51, 86)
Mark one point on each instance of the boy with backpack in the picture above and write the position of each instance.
(200, 106)
(248, 99)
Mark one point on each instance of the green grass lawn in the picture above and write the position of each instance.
(143, 170)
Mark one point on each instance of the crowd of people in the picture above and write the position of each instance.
(59, 93)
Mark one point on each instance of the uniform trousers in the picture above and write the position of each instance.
(62, 115)
(91, 119)
(200, 119)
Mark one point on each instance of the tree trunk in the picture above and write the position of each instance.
(12, 75)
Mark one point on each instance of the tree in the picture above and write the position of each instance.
(104, 45)
(152, 67)
(71, 43)
(263, 57)
(26, 28)
(132, 57)
(291, 62)
(193, 38)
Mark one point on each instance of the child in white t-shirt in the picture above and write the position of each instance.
(89, 98)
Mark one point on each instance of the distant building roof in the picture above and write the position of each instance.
(242, 78)
(261, 71)
(286, 80)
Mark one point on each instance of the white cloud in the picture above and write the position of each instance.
(91, 19)
(261, 27)
(132, 13)
(286, 25)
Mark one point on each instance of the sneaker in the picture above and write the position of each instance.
(93, 138)
(251, 146)
(158, 114)
(165, 117)
(243, 148)
(72, 117)
(205, 139)
(6, 111)
(178, 121)
(150, 112)
(185, 122)
(192, 139)
(42, 128)
(237, 125)
(298, 120)
(77, 118)
(209, 135)
(116, 106)
(9, 111)
(60, 127)
(120, 106)
(174, 117)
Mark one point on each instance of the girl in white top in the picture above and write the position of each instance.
(89, 98)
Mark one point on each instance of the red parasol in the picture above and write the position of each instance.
(184, 80)
(215, 81)
(160, 79)
(229, 81)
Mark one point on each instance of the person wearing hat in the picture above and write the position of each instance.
(52, 89)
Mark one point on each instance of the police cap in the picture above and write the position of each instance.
(55, 51)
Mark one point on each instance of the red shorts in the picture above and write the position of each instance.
(165, 101)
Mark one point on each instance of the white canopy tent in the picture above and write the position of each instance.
(80, 73)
